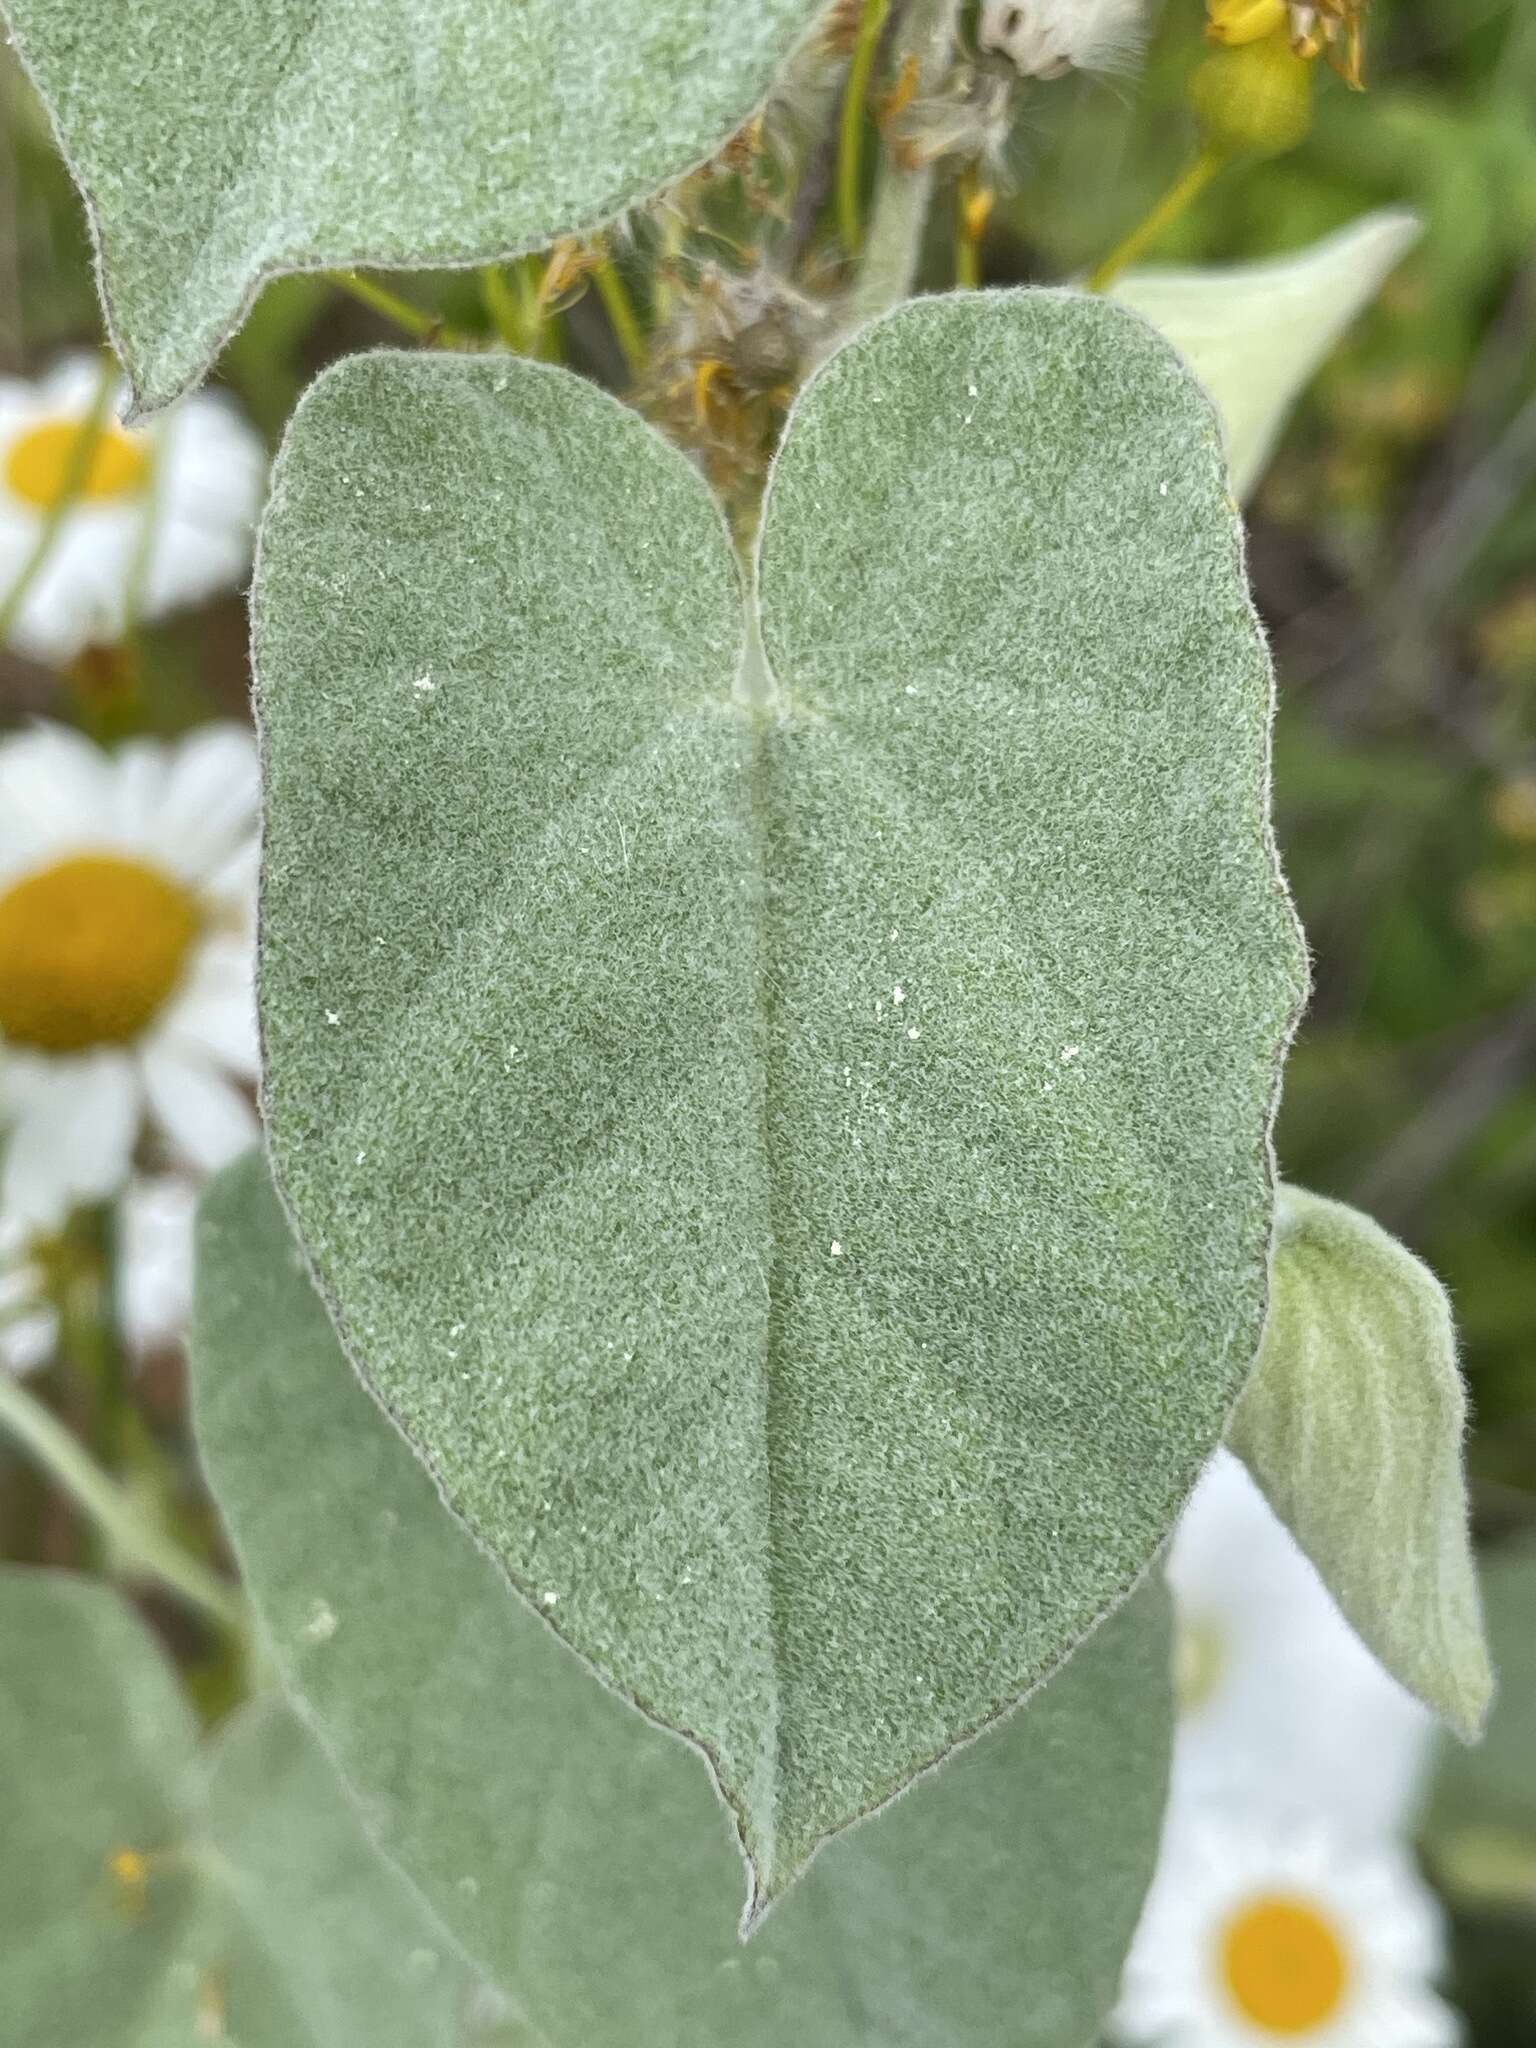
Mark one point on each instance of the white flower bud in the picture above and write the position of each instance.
(1047, 38)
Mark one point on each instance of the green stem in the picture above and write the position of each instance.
(138, 1542)
(76, 469)
(850, 141)
(426, 327)
(972, 207)
(87, 1306)
(1181, 194)
(621, 315)
(504, 307)
(902, 193)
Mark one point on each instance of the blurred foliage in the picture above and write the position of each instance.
(1393, 552)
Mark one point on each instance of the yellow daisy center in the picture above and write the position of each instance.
(38, 465)
(1283, 1964)
(89, 951)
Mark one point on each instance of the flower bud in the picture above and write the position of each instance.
(1253, 98)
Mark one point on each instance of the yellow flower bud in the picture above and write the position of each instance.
(1253, 98)
(1244, 21)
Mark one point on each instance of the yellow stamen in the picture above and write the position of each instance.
(891, 105)
(704, 376)
(37, 467)
(1283, 1965)
(130, 1872)
(1243, 21)
(90, 949)
(128, 1866)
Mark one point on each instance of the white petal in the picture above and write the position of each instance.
(28, 1341)
(81, 592)
(213, 1016)
(55, 792)
(70, 387)
(207, 1120)
(210, 803)
(138, 792)
(76, 1120)
(155, 1260)
(1300, 1715)
(233, 881)
(212, 474)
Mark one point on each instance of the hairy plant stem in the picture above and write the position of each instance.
(137, 1541)
(507, 307)
(86, 1301)
(850, 142)
(622, 317)
(76, 469)
(894, 240)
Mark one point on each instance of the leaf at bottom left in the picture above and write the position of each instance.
(160, 1892)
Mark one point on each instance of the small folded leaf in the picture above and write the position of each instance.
(216, 145)
(751, 1148)
(1254, 333)
(1352, 1424)
(152, 1896)
(576, 1850)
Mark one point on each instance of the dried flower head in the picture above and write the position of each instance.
(968, 117)
(1048, 38)
(726, 365)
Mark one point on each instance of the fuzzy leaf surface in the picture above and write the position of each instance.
(1353, 1424)
(795, 1169)
(216, 146)
(261, 1905)
(577, 1851)
(1254, 333)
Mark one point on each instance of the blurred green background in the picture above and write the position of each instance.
(1393, 554)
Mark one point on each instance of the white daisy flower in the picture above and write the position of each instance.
(154, 1275)
(164, 516)
(1249, 1939)
(1280, 1702)
(1048, 38)
(127, 896)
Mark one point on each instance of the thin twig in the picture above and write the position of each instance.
(77, 468)
(139, 1542)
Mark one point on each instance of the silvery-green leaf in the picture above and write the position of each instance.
(1254, 333)
(796, 1169)
(579, 1852)
(153, 1897)
(218, 144)
(95, 1746)
(1352, 1424)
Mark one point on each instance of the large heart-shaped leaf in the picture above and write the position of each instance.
(218, 145)
(155, 1897)
(577, 1851)
(788, 1148)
